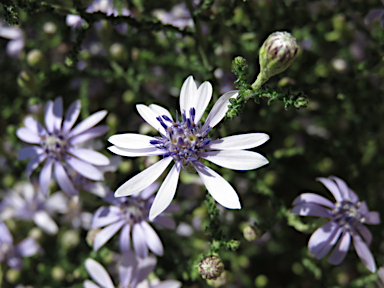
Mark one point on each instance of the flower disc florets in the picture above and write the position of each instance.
(184, 139)
(134, 211)
(54, 145)
(348, 214)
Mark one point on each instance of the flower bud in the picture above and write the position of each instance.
(276, 55)
(211, 267)
(36, 59)
(251, 233)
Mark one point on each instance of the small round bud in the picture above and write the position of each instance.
(70, 239)
(50, 28)
(251, 233)
(277, 53)
(36, 59)
(211, 267)
(117, 51)
(58, 273)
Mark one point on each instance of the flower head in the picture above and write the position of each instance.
(13, 254)
(57, 145)
(348, 216)
(185, 141)
(211, 267)
(130, 214)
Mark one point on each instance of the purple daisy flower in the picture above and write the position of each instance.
(348, 216)
(186, 142)
(13, 254)
(133, 273)
(28, 204)
(130, 214)
(58, 145)
(179, 16)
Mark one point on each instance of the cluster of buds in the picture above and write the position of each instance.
(276, 55)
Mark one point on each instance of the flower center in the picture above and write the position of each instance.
(348, 214)
(54, 145)
(183, 139)
(133, 212)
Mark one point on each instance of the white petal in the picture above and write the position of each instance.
(152, 239)
(89, 156)
(98, 273)
(236, 142)
(71, 116)
(235, 159)
(188, 95)
(88, 122)
(49, 116)
(204, 95)
(45, 176)
(168, 284)
(90, 284)
(143, 179)
(149, 115)
(166, 192)
(58, 113)
(160, 110)
(219, 109)
(136, 152)
(45, 222)
(218, 187)
(131, 141)
(85, 169)
(28, 136)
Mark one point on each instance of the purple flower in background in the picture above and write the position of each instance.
(348, 216)
(28, 204)
(16, 45)
(13, 254)
(375, 13)
(179, 16)
(185, 142)
(130, 214)
(74, 21)
(133, 273)
(58, 145)
(107, 7)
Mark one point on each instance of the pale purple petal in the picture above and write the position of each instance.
(364, 253)
(34, 163)
(27, 247)
(63, 180)
(218, 187)
(105, 216)
(149, 191)
(367, 235)
(311, 209)
(332, 187)
(160, 110)
(166, 192)
(29, 152)
(89, 134)
(165, 221)
(235, 159)
(167, 284)
(87, 170)
(136, 152)
(131, 141)
(219, 110)
(152, 239)
(89, 156)
(188, 95)
(98, 273)
(372, 218)
(45, 176)
(237, 142)
(145, 178)
(343, 187)
(88, 123)
(352, 195)
(90, 284)
(49, 118)
(57, 202)
(71, 116)
(5, 235)
(341, 249)
(105, 234)
(145, 267)
(139, 241)
(373, 14)
(149, 115)
(28, 136)
(126, 268)
(313, 198)
(45, 222)
(323, 239)
(58, 113)
(204, 95)
(34, 125)
(125, 239)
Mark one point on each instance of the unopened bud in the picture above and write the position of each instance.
(219, 281)
(50, 28)
(211, 267)
(276, 55)
(251, 233)
(117, 51)
(36, 59)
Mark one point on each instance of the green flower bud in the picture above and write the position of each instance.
(276, 55)
(36, 59)
(117, 51)
(211, 267)
(251, 233)
(219, 281)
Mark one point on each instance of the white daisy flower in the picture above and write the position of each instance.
(186, 142)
